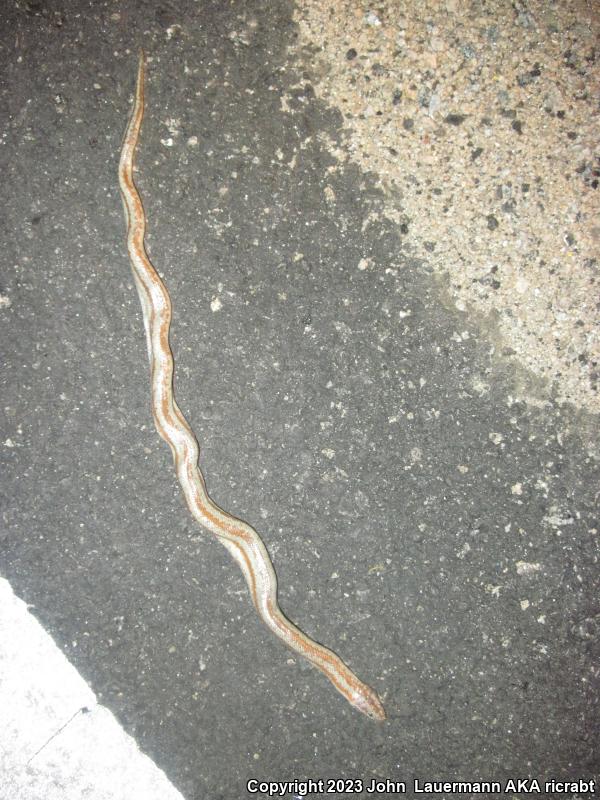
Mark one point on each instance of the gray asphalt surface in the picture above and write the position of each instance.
(439, 535)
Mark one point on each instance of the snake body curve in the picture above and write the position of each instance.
(242, 541)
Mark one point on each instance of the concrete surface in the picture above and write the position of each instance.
(480, 121)
(56, 741)
(436, 530)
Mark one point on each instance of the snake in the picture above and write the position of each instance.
(241, 540)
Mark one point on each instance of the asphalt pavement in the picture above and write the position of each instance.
(426, 522)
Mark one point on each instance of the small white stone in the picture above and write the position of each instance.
(371, 18)
(527, 568)
(521, 285)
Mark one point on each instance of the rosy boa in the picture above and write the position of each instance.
(242, 541)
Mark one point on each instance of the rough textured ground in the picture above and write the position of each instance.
(481, 121)
(56, 741)
(425, 521)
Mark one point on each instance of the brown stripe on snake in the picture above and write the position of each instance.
(242, 541)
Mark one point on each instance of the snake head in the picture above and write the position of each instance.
(367, 701)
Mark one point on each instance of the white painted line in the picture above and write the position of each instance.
(56, 741)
